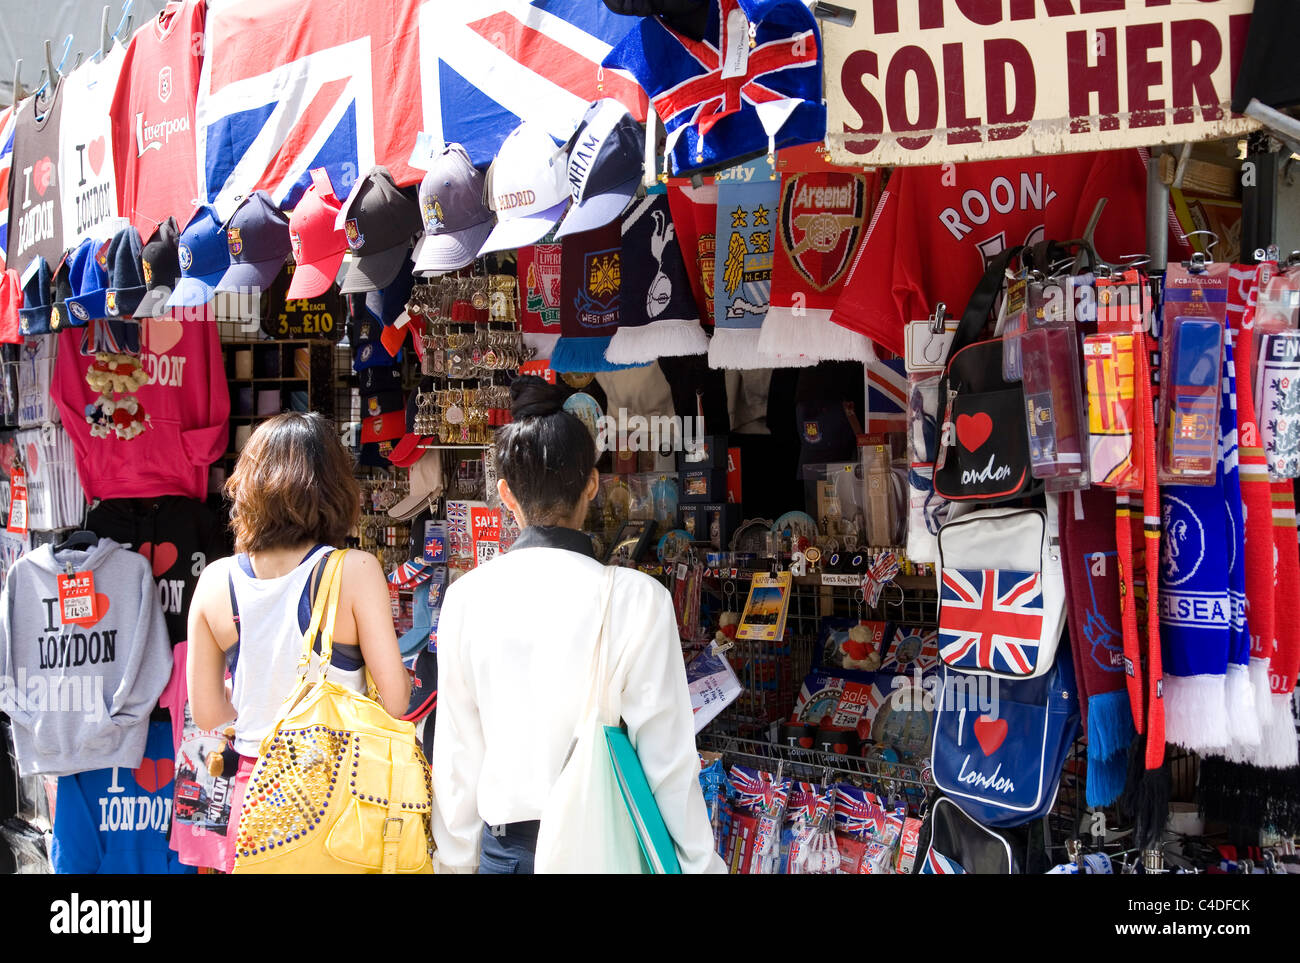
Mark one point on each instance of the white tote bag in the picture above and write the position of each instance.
(585, 826)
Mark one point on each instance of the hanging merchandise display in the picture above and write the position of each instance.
(36, 207)
(748, 196)
(87, 182)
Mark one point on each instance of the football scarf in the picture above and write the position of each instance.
(539, 294)
(1092, 573)
(821, 220)
(1278, 739)
(753, 83)
(748, 195)
(591, 265)
(695, 215)
(657, 314)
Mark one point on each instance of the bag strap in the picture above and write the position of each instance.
(323, 608)
(598, 689)
(980, 305)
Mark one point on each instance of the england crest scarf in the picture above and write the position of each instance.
(657, 314)
(748, 195)
(821, 220)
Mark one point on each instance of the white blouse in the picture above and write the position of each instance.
(515, 643)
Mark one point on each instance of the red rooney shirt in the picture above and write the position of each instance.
(935, 228)
(154, 155)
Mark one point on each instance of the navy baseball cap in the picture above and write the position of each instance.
(160, 262)
(379, 222)
(203, 257)
(457, 219)
(126, 285)
(34, 315)
(59, 316)
(257, 236)
(605, 167)
(88, 274)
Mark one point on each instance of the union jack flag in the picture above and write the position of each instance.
(940, 865)
(711, 94)
(888, 394)
(990, 619)
(6, 163)
(288, 87)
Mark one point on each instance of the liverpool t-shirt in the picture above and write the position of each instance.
(35, 214)
(154, 155)
(87, 187)
(936, 228)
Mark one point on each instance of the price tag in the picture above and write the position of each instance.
(77, 599)
(18, 502)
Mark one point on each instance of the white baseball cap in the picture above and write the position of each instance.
(605, 165)
(528, 187)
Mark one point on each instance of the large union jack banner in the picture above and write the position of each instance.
(940, 865)
(991, 620)
(291, 85)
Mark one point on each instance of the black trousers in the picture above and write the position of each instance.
(508, 849)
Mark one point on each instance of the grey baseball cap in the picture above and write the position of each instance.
(457, 219)
(605, 166)
(378, 222)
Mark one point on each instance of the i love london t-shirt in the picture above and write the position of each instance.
(87, 187)
(153, 119)
(35, 215)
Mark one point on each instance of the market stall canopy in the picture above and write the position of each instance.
(934, 83)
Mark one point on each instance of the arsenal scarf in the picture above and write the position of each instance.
(1092, 573)
(821, 221)
(748, 195)
(657, 315)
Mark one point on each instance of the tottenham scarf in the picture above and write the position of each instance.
(748, 195)
(657, 315)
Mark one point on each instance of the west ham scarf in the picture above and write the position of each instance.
(748, 195)
(657, 314)
(821, 221)
(591, 265)
(1092, 570)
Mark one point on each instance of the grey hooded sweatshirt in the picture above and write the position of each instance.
(80, 696)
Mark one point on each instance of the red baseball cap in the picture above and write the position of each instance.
(11, 299)
(318, 248)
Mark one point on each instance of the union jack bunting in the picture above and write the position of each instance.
(940, 865)
(990, 620)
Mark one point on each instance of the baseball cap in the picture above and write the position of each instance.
(88, 274)
(384, 417)
(424, 685)
(160, 263)
(34, 315)
(11, 299)
(203, 257)
(378, 223)
(257, 236)
(457, 219)
(425, 581)
(426, 485)
(126, 286)
(316, 241)
(605, 165)
(527, 186)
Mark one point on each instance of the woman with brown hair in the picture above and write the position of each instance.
(294, 500)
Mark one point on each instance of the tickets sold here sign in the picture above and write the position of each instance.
(932, 81)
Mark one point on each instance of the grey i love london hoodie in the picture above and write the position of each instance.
(80, 696)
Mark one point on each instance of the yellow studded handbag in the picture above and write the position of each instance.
(340, 786)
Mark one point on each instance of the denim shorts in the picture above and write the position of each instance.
(510, 852)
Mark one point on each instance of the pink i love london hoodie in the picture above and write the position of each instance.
(187, 401)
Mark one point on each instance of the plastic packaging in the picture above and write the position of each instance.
(1189, 404)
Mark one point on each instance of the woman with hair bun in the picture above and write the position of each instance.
(516, 640)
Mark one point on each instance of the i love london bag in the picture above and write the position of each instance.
(1001, 591)
(983, 448)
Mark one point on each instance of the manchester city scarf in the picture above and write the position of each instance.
(657, 313)
(742, 264)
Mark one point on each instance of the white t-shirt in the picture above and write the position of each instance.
(89, 189)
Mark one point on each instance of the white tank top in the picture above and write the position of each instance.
(270, 645)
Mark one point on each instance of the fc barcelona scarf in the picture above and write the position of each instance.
(695, 215)
(591, 268)
(748, 195)
(539, 295)
(658, 317)
(821, 220)
(1092, 570)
